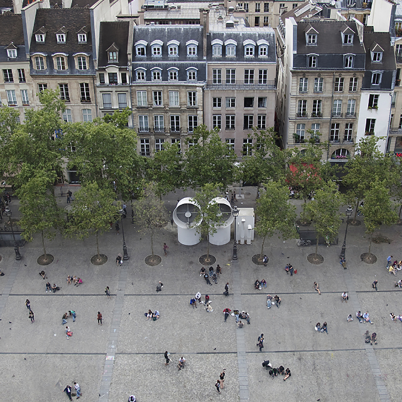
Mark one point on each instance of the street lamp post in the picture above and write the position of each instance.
(125, 255)
(235, 213)
(348, 215)
(8, 213)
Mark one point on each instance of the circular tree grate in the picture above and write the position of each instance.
(207, 260)
(45, 259)
(368, 258)
(257, 260)
(99, 260)
(316, 259)
(153, 260)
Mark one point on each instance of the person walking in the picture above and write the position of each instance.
(316, 288)
(374, 285)
(67, 390)
(73, 314)
(69, 194)
(107, 291)
(291, 270)
(31, 316)
(206, 277)
(260, 343)
(218, 386)
(77, 389)
(222, 378)
(226, 293)
(64, 319)
(28, 304)
(99, 318)
(165, 248)
(226, 313)
(159, 286)
(167, 358)
(324, 327)
(389, 258)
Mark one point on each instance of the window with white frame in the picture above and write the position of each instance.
(8, 75)
(266, 7)
(192, 98)
(248, 121)
(144, 143)
(61, 38)
(217, 121)
(192, 123)
(156, 50)
(143, 126)
(340, 154)
(315, 128)
(261, 121)
(376, 57)
(249, 51)
(82, 63)
(353, 84)
(230, 76)
(262, 102)
(158, 123)
(67, 117)
(192, 75)
(317, 108)
(12, 53)
(39, 63)
(351, 108)
(230, 142)
(312, 61)
(11, 98)
(263, 50)
(174, 99)
(173, 50)
(302, 108)
(347, 39)
(217, 50)
(113, 56)
(101, 78)
(373, 101)
(84, 89)
(312, 39)
(142, 98)
(247, 146)
(82, 38)
(112, 77)
(217, 102)
(338, 84)
(231, 50)
(348, 61)
(123, 78)
(249, 76)
(303, 84)
(156, 75)
(176, 141)
(192, 49)
(301, 131)
(370, 126)
(263, 76)
(173, 74)
(21, 75)
(348, 134)
(159, 144)
(40, 38)
(174, 123)
(334, 136)
(266, 21)
(376, 78)
(141, 50)
(107, 100)
(230, 102)
(230, 121)
(24, 97)
(42, 87)
(157, 98)
(60, 63)
(257, 7)
(87, 115)
(64, 93)
(140, 75)
(216, 76)
(318, 84)
(337, 107)
(122, 100)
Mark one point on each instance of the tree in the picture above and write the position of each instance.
(38, 205)
(267, 160)
(150, 213)
(368, 163)
(208, 159)
(210, 217)
(378, 208)
(103, 152)
(93, 210)
(324, 212)
(274, 213)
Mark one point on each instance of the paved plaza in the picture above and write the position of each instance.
(124, 356)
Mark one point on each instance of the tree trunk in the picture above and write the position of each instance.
(400, 210)
(371, 236)
(316, 247)
(43, 245)
(357, 206)
(262, 246)
(97, 243)
(152, 242)
(208, 247)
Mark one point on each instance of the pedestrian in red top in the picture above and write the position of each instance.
(165, 248)
(99, 318)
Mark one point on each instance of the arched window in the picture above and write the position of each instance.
(340, 153)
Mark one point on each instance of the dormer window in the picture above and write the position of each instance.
(61, 38)
(311, 35)
(156, 48)
(311, 39)
(192, 46)
(156, 74)
(60, 63)
(141, 48)
(230, 48)
(191, 74)
(348, 39)
(173, 48)
(140, 74)
(40, 38)
(249, 46)
(82, 38)
(262, 48)
(173, 74)
(376, 57)
(347, 34)
(112, 54)
(12, 53)
(216, 48)
(348, 61)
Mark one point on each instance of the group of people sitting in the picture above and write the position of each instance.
(395, 317)
(211, 274)
(260, 284)
(240, 316)
(321, 328)
(370, 339)
(52, 288)
(273, 300)
(394, 267)
(398, 284)
(76, 281)
(363, 317)
(152, 315)
(274, 372)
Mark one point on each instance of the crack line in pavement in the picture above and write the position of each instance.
(372, 359)
(111, 348)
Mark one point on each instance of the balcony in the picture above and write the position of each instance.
(302, 114)
(316, 114)
(347, 141)
(334, 140)
(242, 85)
(350, 115)
(337, 115)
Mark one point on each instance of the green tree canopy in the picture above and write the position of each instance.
(208, 160)
(274, 213)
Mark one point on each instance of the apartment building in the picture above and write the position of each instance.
(16, 86)
(240, 91)
(324, 67)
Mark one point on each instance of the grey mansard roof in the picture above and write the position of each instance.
(113, 32)
(11, 34)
